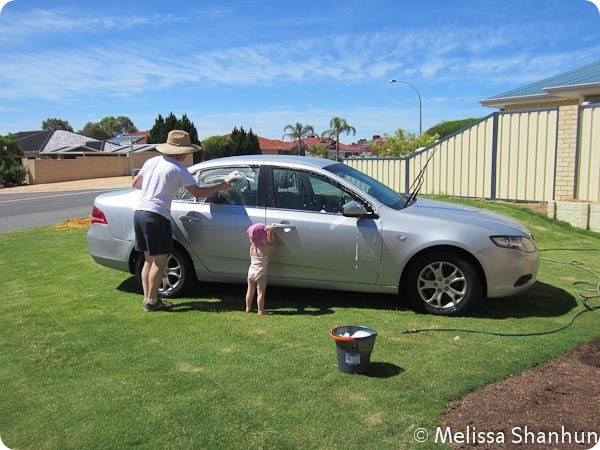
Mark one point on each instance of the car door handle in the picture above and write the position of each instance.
(190, 219)
(283, 226)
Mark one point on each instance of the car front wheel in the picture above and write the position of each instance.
(443, 283)
(178, 275)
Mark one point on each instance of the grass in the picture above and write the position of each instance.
(82, 367)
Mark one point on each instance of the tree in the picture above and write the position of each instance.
(338, 126)
(11, 171)
(118, 126)
(402, 143)
(216, 147)
(156, 134)
(244, 143)
(160, 131)
(318, 150)
(298, 132)
(186, 124)
(448, 127)
(95, 131)
(56, 124)
(252, 145)
(108, 127)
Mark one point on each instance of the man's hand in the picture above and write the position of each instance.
(232, 179)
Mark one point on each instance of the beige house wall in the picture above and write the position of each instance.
(86, 167)
(566, 152)
(539, 105)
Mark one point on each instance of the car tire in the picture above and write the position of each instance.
(442, 283)
(178, 276)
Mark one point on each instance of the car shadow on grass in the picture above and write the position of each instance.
(222, 297)
(283, 301)
(542, 300)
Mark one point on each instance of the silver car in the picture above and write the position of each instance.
(337, 229)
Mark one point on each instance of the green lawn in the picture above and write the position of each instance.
(82, 367)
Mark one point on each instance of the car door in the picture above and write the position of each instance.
(316, 242)
(214, 228)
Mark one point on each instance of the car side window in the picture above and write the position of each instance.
(306, 191)
(242, 192)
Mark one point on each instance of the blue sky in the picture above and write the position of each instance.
(265, 64)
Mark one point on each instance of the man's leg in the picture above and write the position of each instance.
(156, 271)
(148, 261)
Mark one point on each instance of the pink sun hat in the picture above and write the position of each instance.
(258, 234)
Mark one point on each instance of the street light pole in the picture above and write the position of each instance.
(418, 95)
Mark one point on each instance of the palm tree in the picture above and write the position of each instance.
(298, 132)
(338, 126)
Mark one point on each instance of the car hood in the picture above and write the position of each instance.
(451, 212)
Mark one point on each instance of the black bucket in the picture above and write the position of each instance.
(354, 345)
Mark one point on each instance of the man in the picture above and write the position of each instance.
(159, 180)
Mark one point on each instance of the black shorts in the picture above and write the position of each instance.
(153, 233)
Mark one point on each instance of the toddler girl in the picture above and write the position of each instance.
(262, 244)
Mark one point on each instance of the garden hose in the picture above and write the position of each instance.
(584, 290)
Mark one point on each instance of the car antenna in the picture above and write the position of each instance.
(415, 187)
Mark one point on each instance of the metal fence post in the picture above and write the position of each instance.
(494, 167)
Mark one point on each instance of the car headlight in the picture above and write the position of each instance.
(523, 243)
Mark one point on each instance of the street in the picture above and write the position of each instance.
(28, 210)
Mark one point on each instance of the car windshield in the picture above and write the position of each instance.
(367, 184)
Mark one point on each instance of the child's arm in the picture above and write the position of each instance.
(272, 243)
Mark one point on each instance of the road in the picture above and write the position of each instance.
(28, 210)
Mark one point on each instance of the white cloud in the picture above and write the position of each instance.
(149, 64)
(68, 21)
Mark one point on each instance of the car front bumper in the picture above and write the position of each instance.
(508, 271)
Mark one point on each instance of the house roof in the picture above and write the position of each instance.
(84, 149)
(127, 148)
(52, 140)
(32, 141)
(273, 143)
(138, 137)
(324, 142)
(309, 141)
(577, 83)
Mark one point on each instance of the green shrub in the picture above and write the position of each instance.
(447, 127)
(11, 171)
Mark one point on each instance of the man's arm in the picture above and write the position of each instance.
(207, 191)
(137, 182)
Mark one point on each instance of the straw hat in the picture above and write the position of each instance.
(178, 142)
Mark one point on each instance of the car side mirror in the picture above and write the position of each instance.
(354, 209)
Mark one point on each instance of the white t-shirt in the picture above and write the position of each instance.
(162, 177)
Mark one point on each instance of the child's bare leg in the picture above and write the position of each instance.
(250, 294)
(261, 289)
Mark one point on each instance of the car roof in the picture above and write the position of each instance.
(289, 160)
